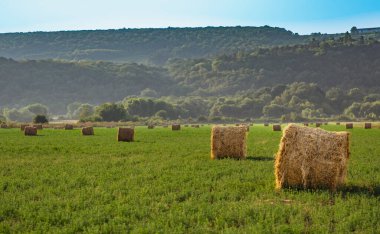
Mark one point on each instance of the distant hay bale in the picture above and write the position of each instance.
(30, 131)
(69, 127)
(228, 142)
(22, 126)
(195, 126)
(311, 158)
(176, 127)
(349, 125)
(4, 125)
(306, 124)
(237, 125)
(276, 127)
(150, 126)
(266, 124)
(126, 134)
(337, 123)
(87, 131)
(38, 126)
(367, 125)
(318, 124)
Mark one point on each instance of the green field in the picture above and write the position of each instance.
(165, 182)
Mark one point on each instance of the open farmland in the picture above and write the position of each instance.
(165, 182)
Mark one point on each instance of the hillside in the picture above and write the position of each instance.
(149, 46)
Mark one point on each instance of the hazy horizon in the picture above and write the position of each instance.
(298, 16)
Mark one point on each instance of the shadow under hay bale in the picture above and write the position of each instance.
(30, 131)
(150, 126)
(126, 134)
(367, 125)
(176, 127)
(311, 158)
(87, 131)
(276, 127)
(23, 126)
(38, 126)
(228, 142)
(349, 125)
(69, 127)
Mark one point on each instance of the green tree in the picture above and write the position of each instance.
(111, 112)
(41, 119)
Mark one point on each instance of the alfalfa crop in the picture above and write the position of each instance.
(228, 142)
(311, 158)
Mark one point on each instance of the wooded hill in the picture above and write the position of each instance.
(149, 46)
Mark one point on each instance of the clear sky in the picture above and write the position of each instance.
(302, 16)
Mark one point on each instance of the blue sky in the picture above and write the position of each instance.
(302, 16)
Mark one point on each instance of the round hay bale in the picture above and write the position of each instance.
(306, 124)
(69, 127)
(367, 125)
(30, 131)
(318, 125)
(311, 158)
(228, 142)
(126, 134)
(276, 127)
(349, 125)
(176, 127)
(151, 126)
(88, 131)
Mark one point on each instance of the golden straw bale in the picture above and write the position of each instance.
(349, 125)
(22, 126)
(176, 127)
(276, 127)
(311, 158)
(69, 127)
(38, 126)
(30, 131)
(126, 134)
(228, 142)
(87, 131)
(367, 125)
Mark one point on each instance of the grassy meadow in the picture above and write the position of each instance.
(165, 182)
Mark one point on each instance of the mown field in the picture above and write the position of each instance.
(165, 182)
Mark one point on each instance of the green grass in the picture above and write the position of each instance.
(165, 182)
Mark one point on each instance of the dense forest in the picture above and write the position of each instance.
(201, 73)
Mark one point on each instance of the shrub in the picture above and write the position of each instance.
(40, 119)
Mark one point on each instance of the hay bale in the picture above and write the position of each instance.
(266, 124)
(87, 131)
(195, 126)
(4, 125)
(276, 127)
(30, 131)
(176, 127)
(237, 125)
(318, 125)
(69, 127)
(349, 125)
(311, 158)
(367, 125)
(23, 126)
(126, 134)
(150, 126)
(228, 142)
(305, 124)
